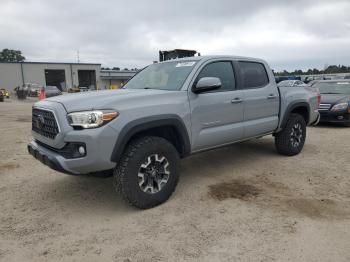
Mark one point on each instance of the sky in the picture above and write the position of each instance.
(298, 34)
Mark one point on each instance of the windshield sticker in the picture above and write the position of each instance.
(342, 83)
(185, 64)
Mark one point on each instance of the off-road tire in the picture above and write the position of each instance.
(126, 173)
(283, 143)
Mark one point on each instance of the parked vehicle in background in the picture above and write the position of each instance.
(21, 92)
(310, 79)
(73, 90)
(336, 77)
(83, 89)
(51, 91)
(279, 79)
(34, 90)
(31, 89)
(335, 101)
(291, 83)
(168, 111)
(5, 92)
(1, 97)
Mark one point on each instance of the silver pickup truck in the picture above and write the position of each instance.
(168, 111)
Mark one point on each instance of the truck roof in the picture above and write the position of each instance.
(204, 58)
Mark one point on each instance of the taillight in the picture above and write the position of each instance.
(318, 96)
(315, 91)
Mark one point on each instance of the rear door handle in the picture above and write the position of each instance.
(237, 100)
(271, 96)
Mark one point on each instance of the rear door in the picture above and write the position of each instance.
(217, 115)
(261, 104)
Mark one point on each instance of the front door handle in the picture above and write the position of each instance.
(236, 100)
(271, 96)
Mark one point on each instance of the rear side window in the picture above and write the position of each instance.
(222, 70)
(254, 74)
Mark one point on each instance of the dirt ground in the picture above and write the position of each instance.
(239, 203)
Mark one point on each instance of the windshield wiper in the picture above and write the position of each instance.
(330, 93)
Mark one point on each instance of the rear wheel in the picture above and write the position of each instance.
(290, 141)
(148, 173)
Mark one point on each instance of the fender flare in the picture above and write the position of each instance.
(290, 108)
(146, 123)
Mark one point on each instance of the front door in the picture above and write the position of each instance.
(217, 115)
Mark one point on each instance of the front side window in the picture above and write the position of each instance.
(164, 76)
(254, 74)
(222, 70)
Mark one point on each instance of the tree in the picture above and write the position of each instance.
(315, 71)
(116, 68)
(309, 71)
(331, 69)
(9, 55)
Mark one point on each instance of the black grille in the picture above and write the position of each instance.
(44, 123)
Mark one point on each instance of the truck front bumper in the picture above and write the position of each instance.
(96, 159)
(49, 159)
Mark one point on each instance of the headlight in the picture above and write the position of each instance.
(91, 119)
(340, 107)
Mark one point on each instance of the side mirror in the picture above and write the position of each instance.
(206, 84)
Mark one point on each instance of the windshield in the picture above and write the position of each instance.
(164, 76)
(333, 87)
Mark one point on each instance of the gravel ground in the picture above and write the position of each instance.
(239, 203)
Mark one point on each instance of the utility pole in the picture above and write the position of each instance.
(78, 56)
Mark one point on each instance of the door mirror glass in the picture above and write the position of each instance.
(207, 84)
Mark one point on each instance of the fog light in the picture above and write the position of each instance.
(81, 150)
(340, 117)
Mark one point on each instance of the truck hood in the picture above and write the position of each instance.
(334, 98)
(102, 99)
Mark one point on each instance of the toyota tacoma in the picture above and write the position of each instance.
(166, 112)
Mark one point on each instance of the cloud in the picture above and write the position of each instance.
(289, 35)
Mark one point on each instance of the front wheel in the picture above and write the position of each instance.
(148, 172)
(290, 141)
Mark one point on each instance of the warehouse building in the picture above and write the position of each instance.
(62, 75)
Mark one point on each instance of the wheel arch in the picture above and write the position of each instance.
(170, 127)
(302, 108)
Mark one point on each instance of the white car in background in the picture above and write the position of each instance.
(32, 89)
(291, 83)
